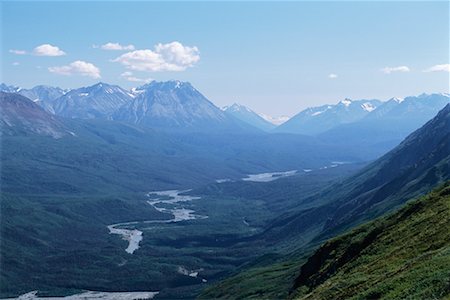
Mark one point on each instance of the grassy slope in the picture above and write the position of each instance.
(403, 246)
(406, 254)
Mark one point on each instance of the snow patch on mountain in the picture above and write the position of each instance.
(368, 107)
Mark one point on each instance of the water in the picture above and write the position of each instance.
(171, 201)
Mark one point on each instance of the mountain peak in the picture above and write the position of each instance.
(346, 102)
(165, 85)
(398, 100)
(236, 107)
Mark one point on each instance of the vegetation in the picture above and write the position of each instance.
(404, 255)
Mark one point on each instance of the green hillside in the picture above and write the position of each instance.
(404, 255)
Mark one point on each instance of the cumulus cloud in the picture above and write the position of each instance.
(164, 57)
(332, 76)
(389, 70)
(17, 52)
(77, 68)
(48, 50)
(115, 46)
(129, 77)
(439, 68)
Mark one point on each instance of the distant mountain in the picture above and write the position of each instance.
(274, 120)
(174, 105)
(42, 95)
(407, 253)
(315, 120)
(98, 101)
(9, 88)
(19, 115)
(413, 168)
(411, 112)
(358, 262)
(247, 115)
(389, 123)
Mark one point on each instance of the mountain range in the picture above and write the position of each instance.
(247, 115)
(99, 101)
(178, 105)
(415, 167)
(314, 120)
(174, 104)
(74, 162)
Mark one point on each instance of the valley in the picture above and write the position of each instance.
(123, 207)
(234, 150)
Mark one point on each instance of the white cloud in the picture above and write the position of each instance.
(77, 68)
(16, 63)
(165, 57)
(439, 68)
(115, 46)
(332, 76)
(48, 50)
(18, 52)
(129, 77)
(389, 70)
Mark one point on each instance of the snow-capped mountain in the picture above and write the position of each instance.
(173, 105)
(247, 115)
(42, 95)
(98, 101)
(9, 88)
(391, 122)
(274, 120)
(414, 109)
(20, 116)
(319, 119)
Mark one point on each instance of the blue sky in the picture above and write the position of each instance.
(275, 57)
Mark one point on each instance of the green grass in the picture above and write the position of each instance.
(404, 255)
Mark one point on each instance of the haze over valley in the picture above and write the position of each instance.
(152, 157)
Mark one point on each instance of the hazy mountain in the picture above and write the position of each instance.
(98, 101)
(274, 120)
(389, 123)
(44, 96)
(411, 112)
(414, 167)
(395, 255)
(174, 105)
(9, 88)
(19, 115)
(312, 121)
(247, 115)
(419, 164)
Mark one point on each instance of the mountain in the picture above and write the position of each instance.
(173, 105)
(389, 123)
(44, 96)
(415, 109)
(274, 120)
(19, 115)
(413, 168)
(98, 101)
(247, 115)
(416, 166)
(315, 120)
(9, 88)
(406, 253)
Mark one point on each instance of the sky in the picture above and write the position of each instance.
(274, 57)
